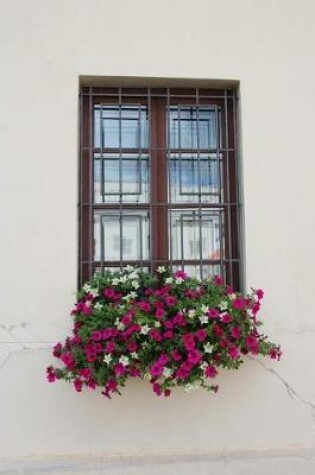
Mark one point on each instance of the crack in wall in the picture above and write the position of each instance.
(292, 393)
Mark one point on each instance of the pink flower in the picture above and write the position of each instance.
(109, 293)
(51, 375)
(168, 335)
(155, 335)
(132, 346)
(167, 392)
(180, 274)
(169, 324)
(260, 294)
(96, 335)
(194, 356)
(188, 341)
(179, 320)
(157, 389)
(163, 359)
(170, 301)
(57, 350)
(85, 373)
(111, 386)
(217, 330)
(226, 318)
(213, 313)
(218, 280)
(201, 334)
(156, 370)
(145, 306)
(255, 308)
(210, 371)
(234, 352)
(176, 355)
(236, 333)
(126, 319)
(275, 353)
(67, 359)
(134, 372)
(87, 310)
(91, 383)
(239, 303)
(252, 344)
(119, 369)
(110, 346)
(78, 385)
(160, 312)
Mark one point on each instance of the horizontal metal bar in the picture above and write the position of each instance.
(147, 263)
(171, 206)
(175, 96)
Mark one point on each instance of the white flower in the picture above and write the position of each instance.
(145, 329)
(144, 344)
(98, 306)
(167, 372)
(204, 319)
(208, 348)
(135, 284)
(191, 313)
(191, 387)
(223, 306)
(107, 359)
(129, 268)
(130, 296)
(204, 308)
(134, 355)
(123, 279)
(133, 275)
(179, 280)
(147, 376)
(115, 281)
(161, 269)
(124, 360)
(157, 324)
(169, 280)
(119, 325)
(87, 288)
(232, 296)
(204, 365)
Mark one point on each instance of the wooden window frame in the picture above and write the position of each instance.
(158, 100)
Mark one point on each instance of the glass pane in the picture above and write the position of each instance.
(120, 126)
(125, 178)
(193, 127)
(202, 271)
(122, 236)
(196, 235)
(193, 175)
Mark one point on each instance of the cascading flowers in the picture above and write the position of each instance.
(168, 328)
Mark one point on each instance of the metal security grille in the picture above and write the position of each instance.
(158, 181)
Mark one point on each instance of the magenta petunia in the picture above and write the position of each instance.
(210, 371)
(239, 303)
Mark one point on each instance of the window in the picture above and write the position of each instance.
(158, 181)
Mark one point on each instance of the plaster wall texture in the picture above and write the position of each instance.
(45, 46)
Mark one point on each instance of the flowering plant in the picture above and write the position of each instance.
(171, 329)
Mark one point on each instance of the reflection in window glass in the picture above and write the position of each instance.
(193, 175)
(190, 125)
(111, 230)
(125, 178)
(196, 235)
(120, 126)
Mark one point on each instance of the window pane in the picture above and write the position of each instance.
(123, 236)
(196, 234)
(202, 271)
(125, 178)
(194, 127)
(195, 175)
(120, 126)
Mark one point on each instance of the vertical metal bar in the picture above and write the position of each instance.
(141, 220)
(150, 176)
(199, 183)
(169, 173)
(91, 184)
(120, 182)
(182, 239)
(139, 152)
(102, 239)
(80, 197)
(102, 158)
(228, 184)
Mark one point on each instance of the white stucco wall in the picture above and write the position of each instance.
(266, 408)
